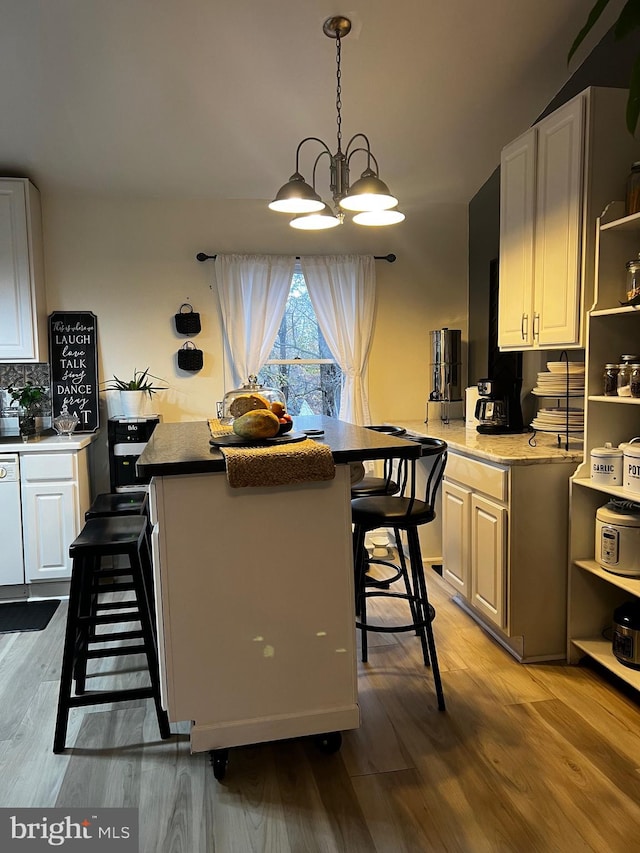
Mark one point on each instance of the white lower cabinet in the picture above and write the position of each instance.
(488, 558)
(504, 546)
(456, 510)
(55, 496)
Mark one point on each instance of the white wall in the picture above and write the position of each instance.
(132, 262)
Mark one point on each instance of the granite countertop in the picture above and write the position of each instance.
(183, 448)
(503, 449)
(46, 443)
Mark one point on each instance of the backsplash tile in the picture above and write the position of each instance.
(20, 374)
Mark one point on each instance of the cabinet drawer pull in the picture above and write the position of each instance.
(524, 327)
(536, 325)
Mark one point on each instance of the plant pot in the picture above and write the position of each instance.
(133, 403)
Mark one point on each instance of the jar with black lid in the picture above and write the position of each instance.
(610, 380)
(632, 204)
(635, 380)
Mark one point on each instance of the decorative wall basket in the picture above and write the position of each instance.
(190, 358)
(187, 322)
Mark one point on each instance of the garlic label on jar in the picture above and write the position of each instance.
(606, 465)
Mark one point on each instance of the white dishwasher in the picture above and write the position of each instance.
(12, 562)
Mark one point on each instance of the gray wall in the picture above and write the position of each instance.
(609, 64)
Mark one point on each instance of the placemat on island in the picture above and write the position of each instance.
(279, 464)
(217, 428)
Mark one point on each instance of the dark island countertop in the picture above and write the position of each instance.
(183, 448)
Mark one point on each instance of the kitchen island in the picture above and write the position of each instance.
(254, 588)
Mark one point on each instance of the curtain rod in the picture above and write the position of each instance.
(201, 256)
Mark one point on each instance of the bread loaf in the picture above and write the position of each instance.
(247, 403)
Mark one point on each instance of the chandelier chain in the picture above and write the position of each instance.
(338, 89)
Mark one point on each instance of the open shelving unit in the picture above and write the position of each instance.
(593, 592)
(564, 431)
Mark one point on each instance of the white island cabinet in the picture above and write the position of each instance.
(23, 311)
(254, 589)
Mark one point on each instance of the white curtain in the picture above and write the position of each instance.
(252, 293)
(342, 289)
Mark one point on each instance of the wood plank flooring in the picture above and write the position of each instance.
(526, 759)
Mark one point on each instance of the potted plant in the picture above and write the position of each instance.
(628, 21)
(134, 391)
(29, 398)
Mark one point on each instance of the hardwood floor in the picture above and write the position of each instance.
(526, 759)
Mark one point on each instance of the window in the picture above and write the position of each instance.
(300, 363)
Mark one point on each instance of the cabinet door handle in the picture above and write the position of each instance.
(536, 325)
(524, 327)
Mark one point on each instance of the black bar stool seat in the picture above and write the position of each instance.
(124, 535)
(118, 503)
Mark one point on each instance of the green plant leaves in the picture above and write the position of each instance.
(139, 382)
(27, 395)
(633, 103)
(594, 14)
(628, 21)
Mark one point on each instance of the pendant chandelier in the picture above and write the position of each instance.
(369, 198)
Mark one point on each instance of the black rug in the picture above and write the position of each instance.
(26, 615)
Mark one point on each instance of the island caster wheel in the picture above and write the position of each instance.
(219, 760)
(329, 742)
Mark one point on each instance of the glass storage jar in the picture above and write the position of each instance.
(241, 400)
(624, 374)
(633, 278)
(635, 380)
(610, 380)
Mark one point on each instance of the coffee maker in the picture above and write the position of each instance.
(498, 408)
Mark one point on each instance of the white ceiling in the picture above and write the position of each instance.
(209, 98)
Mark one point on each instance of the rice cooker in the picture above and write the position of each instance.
(626, 633)
(617, 546)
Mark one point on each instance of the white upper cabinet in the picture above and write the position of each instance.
(555, 181)
(517, 209)
(23, 311)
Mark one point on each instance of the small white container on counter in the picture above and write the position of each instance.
(606, 465)
(631, 465)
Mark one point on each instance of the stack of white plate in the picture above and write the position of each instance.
(559, 378)
(557, 419)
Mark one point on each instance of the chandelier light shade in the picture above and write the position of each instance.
(378, 217)
(317, 221)
(369, 197)
(368, 193)
(296, 196)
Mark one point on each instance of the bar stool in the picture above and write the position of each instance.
(118, 503)
(370, 485)
(403, 513)
(110, 504)
(99, 538)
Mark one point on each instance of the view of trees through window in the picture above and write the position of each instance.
(300, 364)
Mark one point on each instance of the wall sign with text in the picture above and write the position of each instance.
(73, 346)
